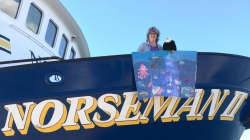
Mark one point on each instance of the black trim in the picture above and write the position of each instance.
(7, 39)
(66, 46)
(40, 21)
(7, 51)
(54, 38)
(105, 57)
(74, 53)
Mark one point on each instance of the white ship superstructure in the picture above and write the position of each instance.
(39, 28)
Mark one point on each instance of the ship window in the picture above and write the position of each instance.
(51, 33)
(34, 18)
(72, 54)
(10, 7)
(63, 45)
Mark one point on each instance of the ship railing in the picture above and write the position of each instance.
(31, 38)
(31, 60)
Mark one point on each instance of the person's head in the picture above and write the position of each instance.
(153, 35)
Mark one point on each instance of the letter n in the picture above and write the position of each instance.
(22, 119)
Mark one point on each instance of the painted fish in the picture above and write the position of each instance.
(181, 62)
(150, 84)
(177, 82)
(192, 90)
(162, 72)
(156, 90)
(155, 76)
(170, 84)
(143, 93)
(153, 66)
(140, 84)
(156, 58)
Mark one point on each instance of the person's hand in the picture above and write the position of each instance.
(172, 51)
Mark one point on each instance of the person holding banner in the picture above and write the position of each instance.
(151, 43)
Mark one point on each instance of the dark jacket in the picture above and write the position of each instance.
(169, 45)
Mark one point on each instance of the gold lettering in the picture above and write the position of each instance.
(167, 117)
(233, 107)
(75, 112)
(22, 120)
(215, 105)
(129, 106)
(108, 109)
(58, 117)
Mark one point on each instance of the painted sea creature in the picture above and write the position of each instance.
(185, 90)
(155, 76)
(153, 66)
(177, 82)
(156, 90)
(169, 91)
(162, 72)
(168, 61)
(142, 72)
(170, 84)
(192, 90)
(167, 78)
(143, 93)
(140, 84)
(150, 84)
(155, 58)
(181, 62)
(188, 91)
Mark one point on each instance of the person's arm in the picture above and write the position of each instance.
(140, 48)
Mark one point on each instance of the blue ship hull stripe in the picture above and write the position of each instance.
(5, 50)
(7, 39)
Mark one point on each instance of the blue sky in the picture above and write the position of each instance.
(113, 27)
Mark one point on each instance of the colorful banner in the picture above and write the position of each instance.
(163, 73)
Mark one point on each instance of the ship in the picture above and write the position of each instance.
(52, 89)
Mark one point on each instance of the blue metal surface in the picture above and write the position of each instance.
(97, 76)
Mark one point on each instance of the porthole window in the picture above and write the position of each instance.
(63, 46)
(34, 18)
(10, 7)
(51, 33)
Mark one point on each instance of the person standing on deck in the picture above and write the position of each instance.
(151, 44)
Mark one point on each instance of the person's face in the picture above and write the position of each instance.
(152, 37)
